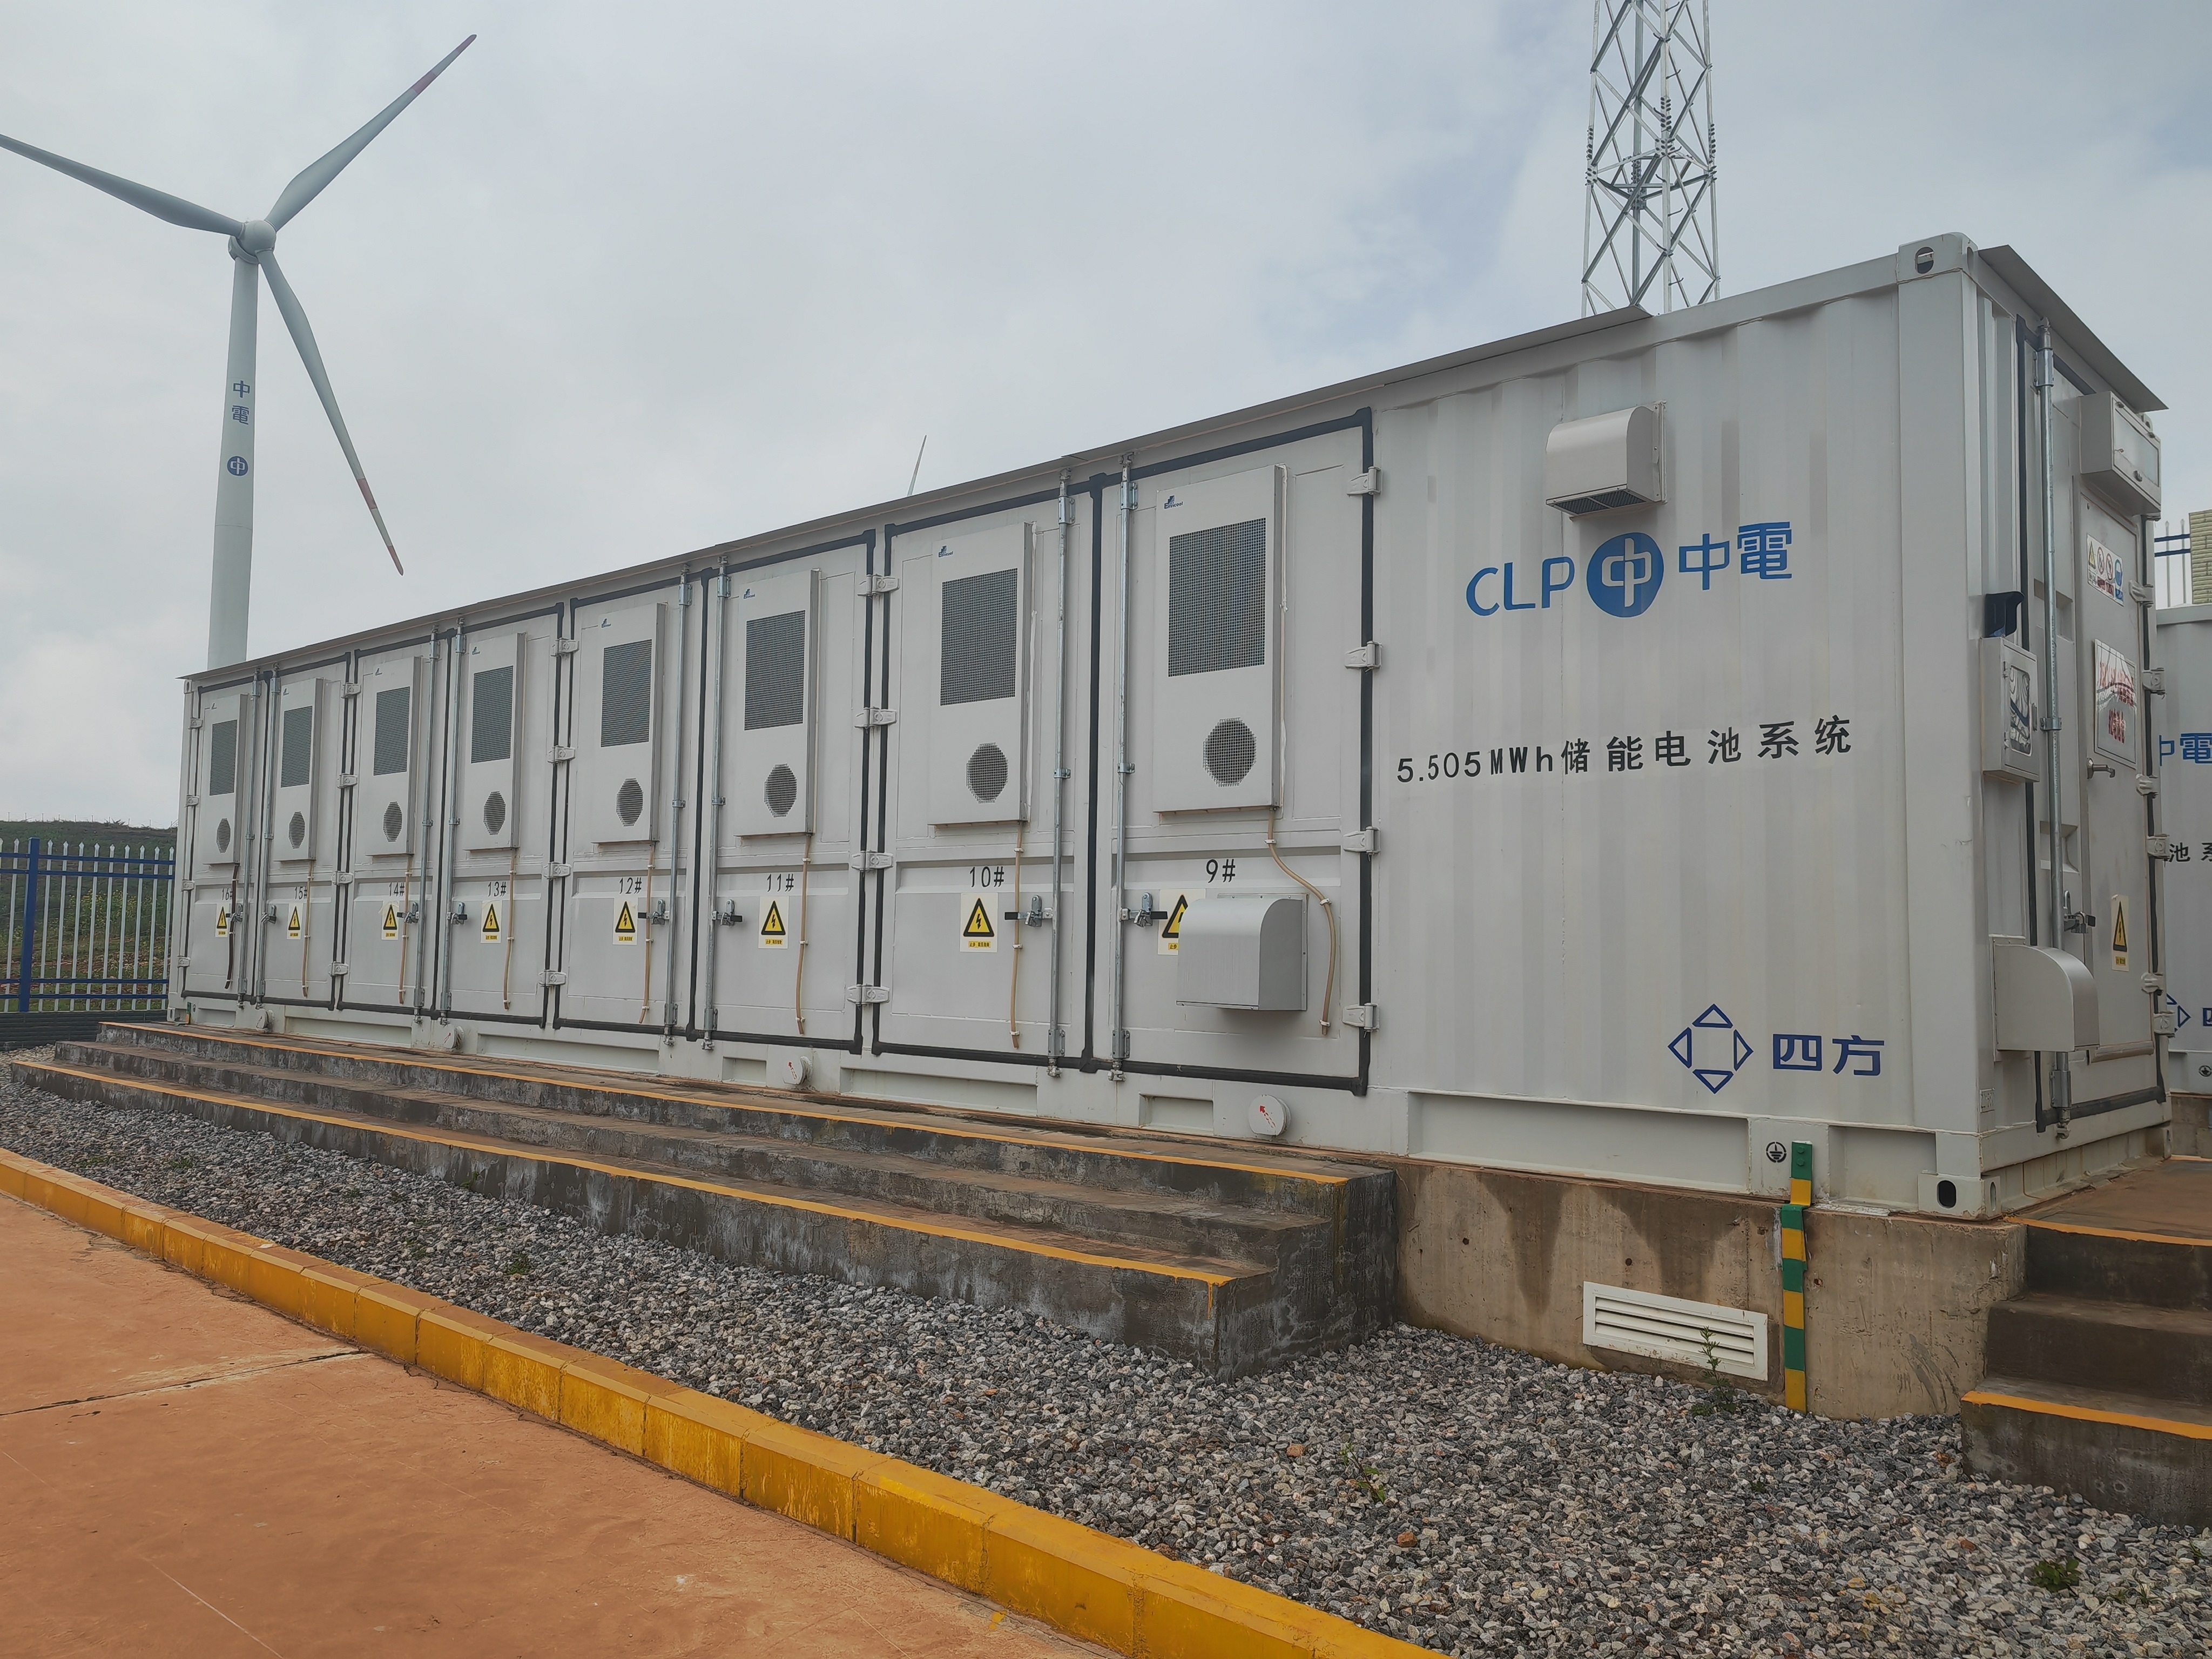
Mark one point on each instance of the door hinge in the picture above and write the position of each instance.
(338, 969)
(2153, 985)
(1369, 482)
(191, 800)
(860, 995)
(866, 717)
(194, 724)
(2161, 1025)
(347, 779)
(552, 976)
(870, 586)
(350, 689)
(557, 754)
(1366, 656)
(871, 861)
(1364, 1017)
(2153, 681)
(1368, 840)
(565, 647)
(2146, 785)
(556, 871)
(2159, 847)
(184, 962)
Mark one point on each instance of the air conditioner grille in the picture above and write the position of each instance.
(776, 671)
(394, 821)
(1230, 752)
(986, 773)
(295, 762)
(1218, 598)
(1603, 501)
(980, 638)
(297, 831)
(491, 716)
(626, 694)
(223, 835)
(391, 727)
(629, 802)
(1701, 1334)
(222, 757)
(781, 791)
(494, 813)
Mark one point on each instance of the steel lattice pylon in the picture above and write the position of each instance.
(1649, 220)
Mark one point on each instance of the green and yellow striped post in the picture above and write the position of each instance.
(1793, 1274)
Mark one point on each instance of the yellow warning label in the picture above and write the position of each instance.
(1176, 906)
(774, 935)
(292, 927)
(491, 924)
(392, 921)
(2119, 930)
(223, 922)
(625, 925)
(977, 931)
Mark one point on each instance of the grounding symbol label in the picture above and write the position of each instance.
(1711, 1048)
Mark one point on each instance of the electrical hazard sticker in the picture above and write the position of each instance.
(223, 922)
(978, 925)
(774, 935)
(1175, 909)
(292, 927)
(490, 930)
(392, 921)
(2119, 930)
(625, 925)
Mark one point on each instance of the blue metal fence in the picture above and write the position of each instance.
(84, 928)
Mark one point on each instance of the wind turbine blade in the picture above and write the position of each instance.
(158, 203)
(296, 320)
(309, 185)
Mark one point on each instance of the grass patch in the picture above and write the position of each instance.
(2064, 1574)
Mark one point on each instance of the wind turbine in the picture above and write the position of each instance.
(252, 249)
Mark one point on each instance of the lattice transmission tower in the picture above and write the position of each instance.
(1649, 220)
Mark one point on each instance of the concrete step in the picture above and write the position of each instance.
(1163, 1220)
(1235, 1261)
(2162, 1353)
(1350, 1196)
(2128, 1453)
(2110, 1264)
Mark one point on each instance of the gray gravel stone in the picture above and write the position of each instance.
(1466, 1497)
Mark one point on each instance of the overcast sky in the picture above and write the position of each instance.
(629, 280)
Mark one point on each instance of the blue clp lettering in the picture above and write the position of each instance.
(1556, 575)
(1624, 575)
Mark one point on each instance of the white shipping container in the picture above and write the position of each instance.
(1624, 751)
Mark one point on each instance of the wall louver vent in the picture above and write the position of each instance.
(1699, 1334)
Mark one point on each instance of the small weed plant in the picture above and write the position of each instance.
(2064, 1574)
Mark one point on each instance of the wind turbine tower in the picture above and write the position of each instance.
(253, 254)
(1650, 233)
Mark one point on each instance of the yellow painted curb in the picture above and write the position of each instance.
(2089, 1415)
(1086, 1583)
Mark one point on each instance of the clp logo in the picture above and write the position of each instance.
(1624, 575)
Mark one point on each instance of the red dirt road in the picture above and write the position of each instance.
(184, 1473)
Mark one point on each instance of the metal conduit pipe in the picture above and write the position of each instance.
(1117, 1038)
(449, 814)
(676, 797)
(719, 621)
(1055, 1038)
(264, 796)
(430, 880)
(2053, 724)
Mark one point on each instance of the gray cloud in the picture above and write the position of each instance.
(629, 280)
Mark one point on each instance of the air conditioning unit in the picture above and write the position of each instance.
(1606, 462)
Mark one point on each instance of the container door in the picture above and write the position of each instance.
(303, 938)
(1244, 728)
(968, 871)
(777, 959)
(2114, 881)
(502, 843)
(392, 771)
(214, 943)
(621, 892)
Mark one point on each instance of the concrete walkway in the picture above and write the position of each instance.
(183, 1472)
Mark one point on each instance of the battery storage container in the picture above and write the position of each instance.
(1623, 750)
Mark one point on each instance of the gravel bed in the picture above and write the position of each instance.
(1465, 1496)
